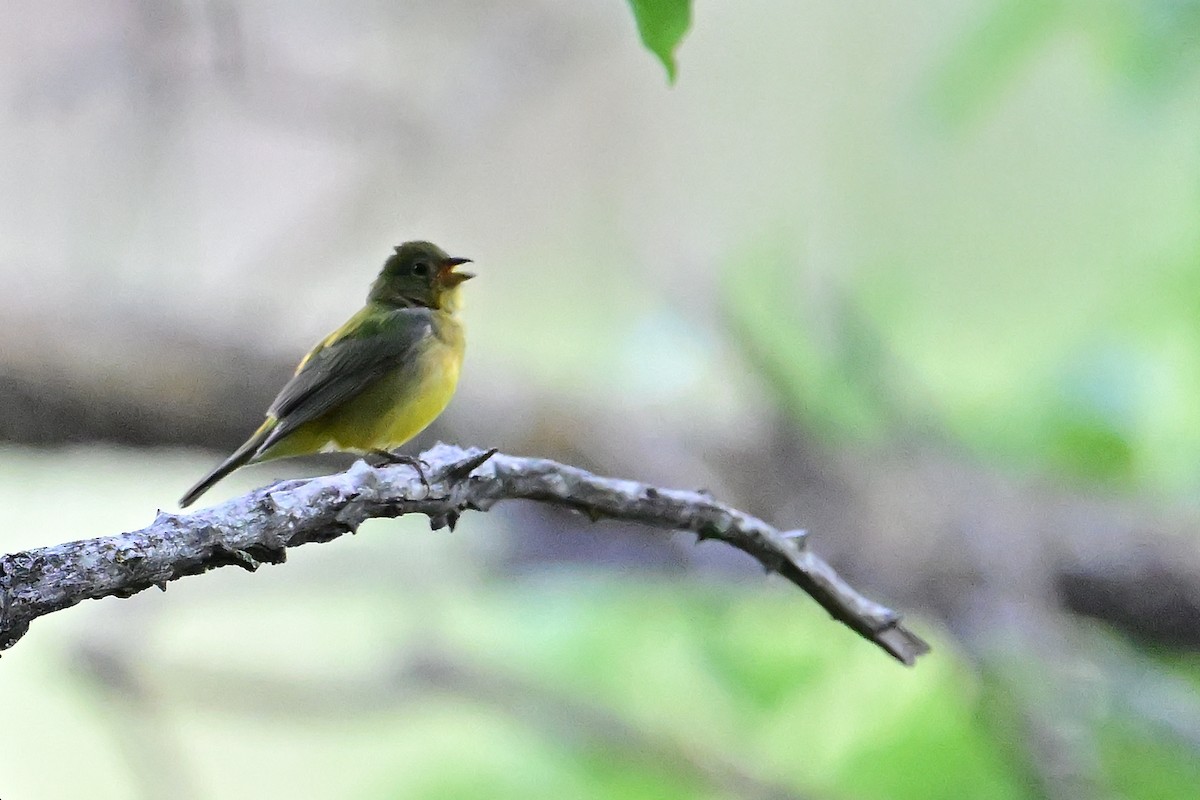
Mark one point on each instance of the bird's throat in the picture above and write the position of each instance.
(451, 300)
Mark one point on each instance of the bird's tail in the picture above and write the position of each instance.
(240, 457)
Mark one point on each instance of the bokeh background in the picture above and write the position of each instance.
(923, 279)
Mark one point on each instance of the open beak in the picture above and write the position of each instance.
(452, 278)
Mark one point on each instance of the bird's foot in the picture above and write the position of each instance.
(388, 457)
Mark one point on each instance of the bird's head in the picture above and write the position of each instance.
(419, 274)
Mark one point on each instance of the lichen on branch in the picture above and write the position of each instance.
(260, 526)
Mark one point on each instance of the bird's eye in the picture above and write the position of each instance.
(420, 269)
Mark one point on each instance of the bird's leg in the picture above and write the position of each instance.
(388, 457)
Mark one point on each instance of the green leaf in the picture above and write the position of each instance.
(662, 25)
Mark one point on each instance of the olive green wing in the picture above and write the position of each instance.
(338, 368)
(344, 367)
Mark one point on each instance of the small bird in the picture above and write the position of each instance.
(377, 381)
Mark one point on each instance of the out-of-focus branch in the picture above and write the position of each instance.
(140, 383)
(1117, 591)
(261, 526)
(566, 717)
(420, 672)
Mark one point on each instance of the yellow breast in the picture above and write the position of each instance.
(396, 406)
(416, 404)
(402, 403)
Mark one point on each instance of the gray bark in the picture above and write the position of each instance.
(260, 526)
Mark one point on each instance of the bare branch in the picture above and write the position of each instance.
(260, 526)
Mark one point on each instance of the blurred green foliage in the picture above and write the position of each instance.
(1148, 45)
(1061, 365)
(712, 682)
(1079, 369)
(711, 687)
(1111, 407)
(1140, 763)
(580, 685)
